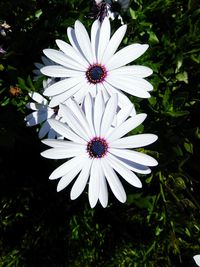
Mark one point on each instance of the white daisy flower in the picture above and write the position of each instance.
(197, 259)
(97, 151)
(42, 112)
(93, 65)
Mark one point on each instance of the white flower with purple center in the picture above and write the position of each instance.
(197, 259)
(42, 112)
(96, 149)
(92, 65)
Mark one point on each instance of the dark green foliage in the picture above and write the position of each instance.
(160, 224)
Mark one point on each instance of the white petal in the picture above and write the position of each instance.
(44, 129)
(135, 71)
(38, 65)
(34, 106)
(104, 38)
(94, 183)
(46, 61)
(35, 114)
(113, 181)
(81, 181)
(93, 90)
(35, 118)
(105, 93)
(71, 52)
(68, 166)
(89, 111)
(114, 43)
(99, 88)
(197, 259)
(38, 74)
(103, 191)
(63, 153)
(73, 40)
(48, 82)
(64, 130)
(99, 108)
(133, 166)
(123, 100)
(126, 127)
(124, 113)
(126, 55)
(109, 114)
(135, 141)
(84, 90)
(60, 143)
(139, 83)
(74, 123)
(60, 71)
(62, 86)
(52, 134)
(77, 110)
(83, 40)
(134, 156)
(61, 98)
(51, 113)
(95, 29)
(128, 175)
(38, 98)
(60, 58)
(134, 88)
(67, 178)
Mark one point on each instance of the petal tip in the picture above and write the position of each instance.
(155, 162)
(139, 184)
(43, 154)
(92, 205)
(42, 70)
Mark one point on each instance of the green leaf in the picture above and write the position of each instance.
(196, 58)
(152, 100)
(38, 13)
(182, 77)
(141, 201)
(133, 13)
(1, 67)
(187, 231)
(153, 38)
(30, 84)
(179, 62)
(21, 83)
(166, 99)
(176, 114)
(188, 147)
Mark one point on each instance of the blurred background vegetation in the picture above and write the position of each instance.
(160, 223)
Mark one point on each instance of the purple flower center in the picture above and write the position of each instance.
(97, 147)
(96, 73)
